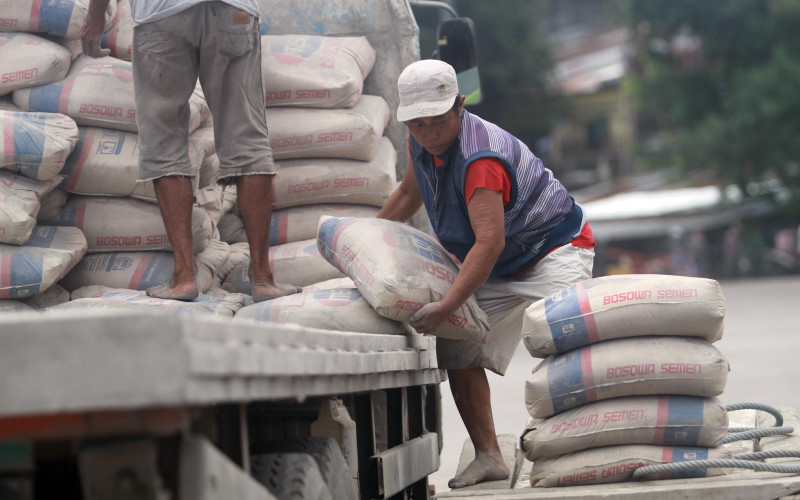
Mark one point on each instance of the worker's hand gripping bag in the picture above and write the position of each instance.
(398, 269)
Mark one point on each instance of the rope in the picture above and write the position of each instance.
(743, 461)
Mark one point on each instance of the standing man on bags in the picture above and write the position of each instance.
(492, 204)
(174, 43)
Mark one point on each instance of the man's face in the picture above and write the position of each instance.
(437, 133)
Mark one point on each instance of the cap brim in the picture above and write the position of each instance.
(424, 109)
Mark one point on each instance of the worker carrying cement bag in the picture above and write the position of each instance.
(624, 306)
(615, 464)
(45, 258)
(28, 60)
(315, 71)
(36, 144)
(667, 420)
(493, 205)
(625, 367)
(342, 309)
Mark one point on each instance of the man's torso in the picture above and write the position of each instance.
(146, 11)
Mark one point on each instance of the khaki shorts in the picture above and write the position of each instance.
(222, 46)
(505, 301)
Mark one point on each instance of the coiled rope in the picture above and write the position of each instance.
(743, 461)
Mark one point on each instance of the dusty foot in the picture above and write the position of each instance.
(263, 291)
(484, 468)
(185, 291)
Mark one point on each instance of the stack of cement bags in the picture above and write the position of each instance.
(331, 156)
(630, 378)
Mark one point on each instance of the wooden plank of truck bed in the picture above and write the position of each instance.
(77, 361)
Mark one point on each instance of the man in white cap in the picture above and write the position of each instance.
(519, 236)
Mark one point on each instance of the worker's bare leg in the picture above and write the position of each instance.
(255, 203)
(470, 389)
(174, 194)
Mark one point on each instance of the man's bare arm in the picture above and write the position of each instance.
(93, 28)
(405, 200)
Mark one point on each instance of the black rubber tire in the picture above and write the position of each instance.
(290, 476)
(330, 461)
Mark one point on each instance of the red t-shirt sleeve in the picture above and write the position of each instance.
(487, 173)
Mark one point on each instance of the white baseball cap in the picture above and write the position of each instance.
(427, 88)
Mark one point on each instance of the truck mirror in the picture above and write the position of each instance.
(457, 47)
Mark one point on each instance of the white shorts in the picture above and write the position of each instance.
(504, 300)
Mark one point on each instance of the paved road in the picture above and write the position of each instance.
(761, 342)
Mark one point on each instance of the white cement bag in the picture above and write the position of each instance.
(315, 71)
(327, 285)
(106, 162)
(342, 309)
(624, 306)
(637, 366)
(97, 93)
(19, 205)
(291, 224)
(216, 200)
(119, 37)
(14, 306)
(328, 133)
(28, 60)
(298, 263)
(53, 296)
(125, 224)
(398, 269)
(100, 297)
(615, 464)
(237, 253)
(310, 181)
(36, 144)
(46, 257)
(209, 169)
(665, 420)
(142, 270)
(51, 204)
(55, 17)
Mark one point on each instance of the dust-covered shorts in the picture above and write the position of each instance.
(504, 301)
(222, 46)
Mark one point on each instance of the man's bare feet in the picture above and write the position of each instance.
(485, 467)
(267, 289)
(186, 291)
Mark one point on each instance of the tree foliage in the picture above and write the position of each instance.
(736, 109)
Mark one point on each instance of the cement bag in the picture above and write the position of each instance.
(45, 258)
(291, 224)
(28, 60)
(624, 306)
(97, 93)
(328, 133)
(106, 162)
(14, 306)
(327, 285)
(19, 205)
(209, 169)
(216, 200)
(315, 71)
(53, 296)
(100, 297)
(398, 269)
(55, 17)
(666, 420)
(298, 263)
(237, 253)
(142, 270)
(342, 309)
(638, 366)
(119, 37)
(51, 204)
(615, 464)
(36, 144)
(310, 181)
(125, 224)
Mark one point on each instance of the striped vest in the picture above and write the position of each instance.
(539, 216)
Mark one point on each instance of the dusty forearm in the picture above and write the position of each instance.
(401, 206)
(97, 8)
(474, 272)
